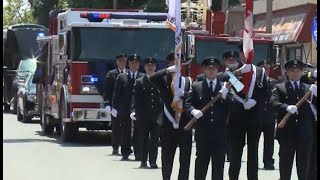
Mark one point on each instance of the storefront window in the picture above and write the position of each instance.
(294, 53)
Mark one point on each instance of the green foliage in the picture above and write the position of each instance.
(41, 9)
(216, 4)
(16, 12)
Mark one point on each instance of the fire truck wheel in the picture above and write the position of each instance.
(46, 128)
(25, 118)
(15, 104)
(19, 115)
(6, 108)
(68, 131)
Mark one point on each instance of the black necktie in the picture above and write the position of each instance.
(211, 87)
(133, 76)
(121, 71)
(296, 88)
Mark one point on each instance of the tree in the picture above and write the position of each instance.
(41, 9)
(217, 4)
(16, 12)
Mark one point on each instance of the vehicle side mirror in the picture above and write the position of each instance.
(190, 45)
(63, 43)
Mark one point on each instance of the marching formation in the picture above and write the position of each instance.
(143, 116)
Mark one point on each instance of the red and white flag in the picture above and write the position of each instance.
(248, 44)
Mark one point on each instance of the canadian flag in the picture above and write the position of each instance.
(248, 44)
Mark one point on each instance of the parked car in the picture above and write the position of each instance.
(26, 98)
(25, 68)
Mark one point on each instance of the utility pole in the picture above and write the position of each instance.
(115, 4)
(269, 16)
(225, 9)
(188, 12)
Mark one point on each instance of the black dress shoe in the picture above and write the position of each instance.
(153, 166)
(125, 158)
(143, 165)
(115, 152)
(269, 167)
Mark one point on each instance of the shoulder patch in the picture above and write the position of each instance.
(108, 75)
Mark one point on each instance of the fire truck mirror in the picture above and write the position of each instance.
(191, 50)
(276, 51)
(63, 43)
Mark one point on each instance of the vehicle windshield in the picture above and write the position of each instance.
(206, 48)
(96, 43)
(27, 65)
(26, 43)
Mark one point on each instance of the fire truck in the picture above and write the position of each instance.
(211, 41)
(80, 53)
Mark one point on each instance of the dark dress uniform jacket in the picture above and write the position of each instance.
(148, 105)
(162, 81)
(284, 95)
(212, 126)
(109, 85)
(123, 95)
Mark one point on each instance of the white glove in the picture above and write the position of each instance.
(313, 89)
(196, 113)
(108, 109)
(292, 109)
(114, 112)
(315, 73)
(249, 104)
(180, 93)
(223, 92)
(173, 69)
(245, 68)
(133, 116)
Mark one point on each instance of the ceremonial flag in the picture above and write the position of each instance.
(248, 44)
(174, 23)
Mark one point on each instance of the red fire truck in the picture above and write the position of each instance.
(79, 56)
(212, 42)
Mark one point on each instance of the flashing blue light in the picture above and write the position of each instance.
(40, 34)
(93, 79)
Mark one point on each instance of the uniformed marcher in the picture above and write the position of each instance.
(122, 101)
(296, 136)
(171, 138)
(148, 111)
(245, 121)
(121, 61)
(268, 120)
(310, 78)
(231, 62)
(211, 128)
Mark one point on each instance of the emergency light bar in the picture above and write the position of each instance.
(98, 17)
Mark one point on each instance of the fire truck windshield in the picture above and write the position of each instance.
(96, 43)
(206, 48)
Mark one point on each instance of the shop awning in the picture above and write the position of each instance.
(289, 25)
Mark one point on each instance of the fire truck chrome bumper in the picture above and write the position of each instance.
(90, 114)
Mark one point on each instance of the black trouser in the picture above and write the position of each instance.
(170, 140)
(126, 136)
(149, 141)
(287, 150)
(116, 135)
(268, 128)
(244, 123)
(136, 141)
(313, 159)
(207, 150)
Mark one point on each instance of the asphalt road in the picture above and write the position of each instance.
(30, 156)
